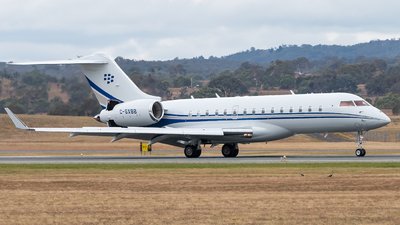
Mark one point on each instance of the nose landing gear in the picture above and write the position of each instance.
(360, 151)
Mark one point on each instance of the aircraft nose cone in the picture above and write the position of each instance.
(382, 119)
(385, 120)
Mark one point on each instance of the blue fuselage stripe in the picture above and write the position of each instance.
(101, 91)
(194, 119)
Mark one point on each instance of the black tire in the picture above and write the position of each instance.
(363, 152)
(235, 152)
(197, 153)
(360, 152)
(226, 150)
(191, 151)
(229, 150)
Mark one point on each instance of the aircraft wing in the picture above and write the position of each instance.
(123, 132)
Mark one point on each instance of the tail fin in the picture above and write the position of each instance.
(107, 80)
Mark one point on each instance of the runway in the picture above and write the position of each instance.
(183, 160)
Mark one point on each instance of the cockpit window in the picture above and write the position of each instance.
(361, 103)
(346, 103)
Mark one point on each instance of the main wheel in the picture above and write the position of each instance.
(230, 150)
(363, 152)
(197, 153)
(191, 151)
(360, 152)
(235, 152)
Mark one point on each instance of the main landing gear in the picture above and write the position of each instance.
(360, 151)
(230, 150)
(192, 151)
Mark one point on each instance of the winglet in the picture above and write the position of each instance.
(17, 122)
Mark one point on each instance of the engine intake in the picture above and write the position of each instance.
(157, 111)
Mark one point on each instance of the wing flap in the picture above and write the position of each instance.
(135, 130)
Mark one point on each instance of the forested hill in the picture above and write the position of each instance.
(200, 66)
(371, 70)
(372, 49)
(382, 49)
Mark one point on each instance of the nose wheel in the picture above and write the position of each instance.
(360, 151)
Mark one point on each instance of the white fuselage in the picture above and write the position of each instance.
(274, 117)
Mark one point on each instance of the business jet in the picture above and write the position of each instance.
(226, 121)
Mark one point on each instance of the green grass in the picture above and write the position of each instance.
(16, 167)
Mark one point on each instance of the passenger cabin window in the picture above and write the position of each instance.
(281, 110)
(262, 110)
(361, 103)
(216, 112)
(224, 112)
(309, 108)
(300, 109)
(320, 108)
(272, 110)
(254, 111)
(244, 111)
(291, 109)
(346, 103)
(207, 113)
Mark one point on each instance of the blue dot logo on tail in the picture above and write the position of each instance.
(108, 78)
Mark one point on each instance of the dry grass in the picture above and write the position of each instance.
(201, 196)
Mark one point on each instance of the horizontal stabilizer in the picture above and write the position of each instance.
(63, 62)
(105, 77)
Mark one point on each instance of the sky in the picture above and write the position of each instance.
(165, 29)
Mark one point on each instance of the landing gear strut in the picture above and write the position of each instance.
(230, 150)
(360, 151)
(192, 151)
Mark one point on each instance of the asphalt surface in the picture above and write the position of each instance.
(206, 159)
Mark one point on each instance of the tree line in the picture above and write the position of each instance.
(375, 79)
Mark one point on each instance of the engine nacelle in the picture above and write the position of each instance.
(143, 112)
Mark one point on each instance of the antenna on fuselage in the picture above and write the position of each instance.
(291, 91)
(217, 95)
